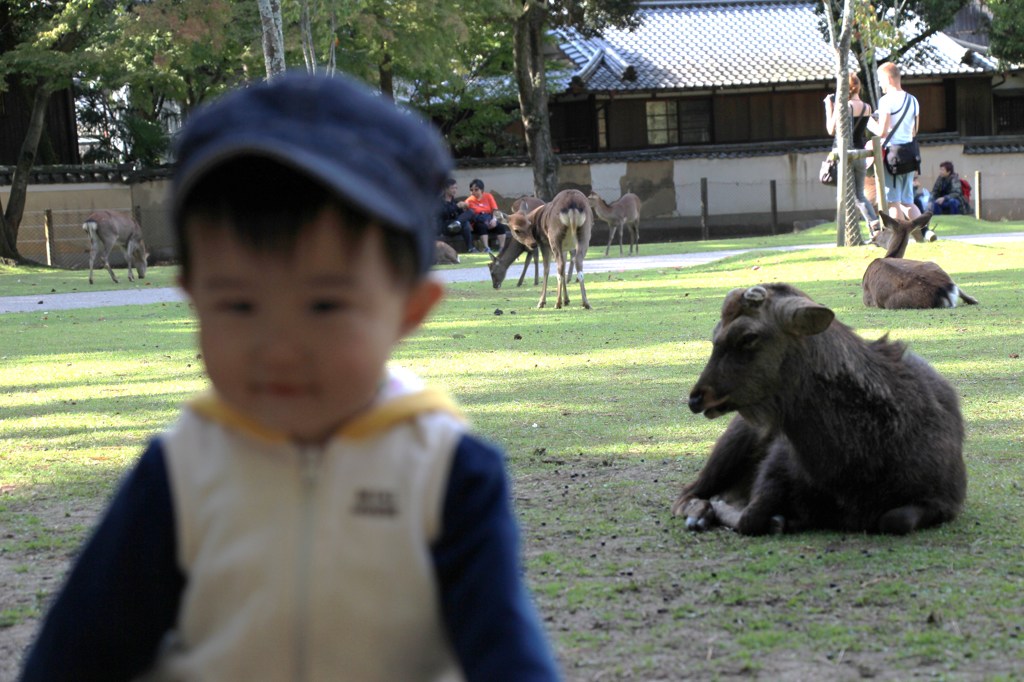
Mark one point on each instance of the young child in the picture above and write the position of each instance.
(318, 515)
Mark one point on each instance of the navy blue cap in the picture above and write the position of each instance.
(385, 161)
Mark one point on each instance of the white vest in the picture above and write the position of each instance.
(311, 563)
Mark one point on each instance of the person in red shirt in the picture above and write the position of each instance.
(480, 208)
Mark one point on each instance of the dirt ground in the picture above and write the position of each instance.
(29, 574)
(628, 594)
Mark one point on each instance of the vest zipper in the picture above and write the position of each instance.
(310, 468)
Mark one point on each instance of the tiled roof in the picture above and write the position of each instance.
(61, 175)
(691, 45)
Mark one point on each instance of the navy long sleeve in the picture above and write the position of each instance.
(494, 628)
(123, 593)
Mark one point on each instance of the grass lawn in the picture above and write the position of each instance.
(591, 409)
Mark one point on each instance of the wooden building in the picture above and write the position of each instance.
(752, 71)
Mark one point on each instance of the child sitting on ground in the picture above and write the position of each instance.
(318, 515)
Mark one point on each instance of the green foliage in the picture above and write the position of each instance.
(591, 18)
(162, 59)
(880, 30)
(423, 44)
(1006, 30)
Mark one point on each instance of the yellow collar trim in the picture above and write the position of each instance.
(377, 419)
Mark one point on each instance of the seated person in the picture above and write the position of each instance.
(947, 194)
(480, 207)
(448, 223)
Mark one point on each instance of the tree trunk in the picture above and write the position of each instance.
(273, 37)
(10, 222)
(528, 51)
(847, 215)
(386, 73)
(308, 46)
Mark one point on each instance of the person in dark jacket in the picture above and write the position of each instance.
(947, 192)
(451, 208)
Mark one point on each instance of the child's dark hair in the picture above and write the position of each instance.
(266, 204)
(477, 183)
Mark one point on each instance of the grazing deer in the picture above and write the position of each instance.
(524, 205)
(622, 213)
(107, 228)
(894, 282)
(508, 255)
(562, 225)
(831, 431)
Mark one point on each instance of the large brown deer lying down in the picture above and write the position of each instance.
(107, 228)
(622, 213)
(831, 431)
(444, 254)
(894, 282)
(562, 225)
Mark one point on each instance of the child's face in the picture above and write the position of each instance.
(299, 343)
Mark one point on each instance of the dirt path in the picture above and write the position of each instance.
(118, 297)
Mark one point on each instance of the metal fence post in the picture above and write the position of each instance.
(775, 208)
(704, 232)
(977, 195)
(48, 236)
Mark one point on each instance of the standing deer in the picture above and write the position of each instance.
(622, 213)
(830, 432)
(524, 205)
(564, 224)
(893, 282)
(107, 228)
(508, 255)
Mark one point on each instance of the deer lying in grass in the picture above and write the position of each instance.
(107, 228)
(831, 431)
(622, 213)
(444, 254)
(893, 282)
(564, 224)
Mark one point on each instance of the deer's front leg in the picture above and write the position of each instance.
(729, 473)
(129, 256)
(546, 254)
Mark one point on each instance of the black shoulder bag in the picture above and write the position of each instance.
(900, 159)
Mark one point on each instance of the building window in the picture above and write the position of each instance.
(695, 121)
(1009, 115)
(662, 122)
(602, 126)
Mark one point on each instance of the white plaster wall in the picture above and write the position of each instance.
(606, 179)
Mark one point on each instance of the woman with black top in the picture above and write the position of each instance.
(860, 112)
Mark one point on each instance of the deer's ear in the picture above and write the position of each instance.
(887, 221)
(804, 317)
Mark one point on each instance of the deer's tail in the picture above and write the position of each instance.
(573, 217)
(91, 226)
